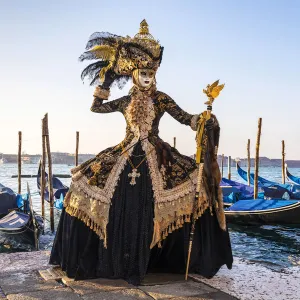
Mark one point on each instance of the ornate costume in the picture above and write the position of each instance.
(128, 209)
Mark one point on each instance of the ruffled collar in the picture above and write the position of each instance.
(139, 91)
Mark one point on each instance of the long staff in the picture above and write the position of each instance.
(212, 91)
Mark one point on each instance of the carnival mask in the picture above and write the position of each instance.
(146, 77)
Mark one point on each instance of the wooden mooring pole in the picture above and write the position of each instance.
(283, 162)
(174, 141)
(257, 159)
(229, 167)
(19, 162)
(50, 183)
(77, 147)
(43, 167)
(248, 161)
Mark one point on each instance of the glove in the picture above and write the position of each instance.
(209, 124)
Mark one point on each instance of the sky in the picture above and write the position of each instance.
(251, 46)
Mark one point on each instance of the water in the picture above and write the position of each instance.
(6, 171)
(276, 247)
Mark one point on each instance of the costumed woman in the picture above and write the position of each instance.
(128, 210)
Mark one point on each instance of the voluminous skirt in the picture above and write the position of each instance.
(80, 252)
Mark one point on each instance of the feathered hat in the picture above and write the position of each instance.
(120, 55)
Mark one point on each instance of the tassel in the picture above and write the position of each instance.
(170, 231)
(164, 235)
(159, 244)
(188, 218)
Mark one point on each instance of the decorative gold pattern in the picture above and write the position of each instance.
(127, 54)
(94, 182)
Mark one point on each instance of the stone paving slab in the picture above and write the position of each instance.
(181, 289)
(23, 261)
(20, 280)
(161, 278)
(25, 282)
(58, 294)
(128, 294)
(84, 287)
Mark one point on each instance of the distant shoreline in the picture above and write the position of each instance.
(69, 159)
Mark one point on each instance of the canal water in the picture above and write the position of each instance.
(276, 247)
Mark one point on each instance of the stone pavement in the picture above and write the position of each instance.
(19, 279)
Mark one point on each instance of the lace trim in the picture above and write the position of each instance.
(93, 213)
(80, 182)
(140, 114)
(101, 93)
(173, 215)
(160, 194)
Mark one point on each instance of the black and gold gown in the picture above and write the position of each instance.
(112, 227)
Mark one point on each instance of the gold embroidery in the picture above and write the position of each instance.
(172, 207)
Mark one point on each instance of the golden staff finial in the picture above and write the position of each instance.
(212, 91)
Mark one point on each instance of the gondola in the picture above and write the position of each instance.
(59, 189)
(8, 200)
(234, 191)
(259, 211)
(272, 189)
(291, 177)
(24, 227)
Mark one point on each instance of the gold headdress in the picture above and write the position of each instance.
(121, 55)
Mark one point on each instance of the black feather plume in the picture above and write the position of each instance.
(93, 68)
(102, 38)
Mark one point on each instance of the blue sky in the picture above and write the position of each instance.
(252, 46)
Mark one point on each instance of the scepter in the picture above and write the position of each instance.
(212, 92)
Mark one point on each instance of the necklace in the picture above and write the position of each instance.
(134, 174)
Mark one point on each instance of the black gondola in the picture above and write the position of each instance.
(291, 177)
(8, 200)
(25, 227)
(59, 189)
(259, 211)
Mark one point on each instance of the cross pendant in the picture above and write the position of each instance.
(134, 174)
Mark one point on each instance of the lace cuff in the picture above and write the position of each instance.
(101, 93)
